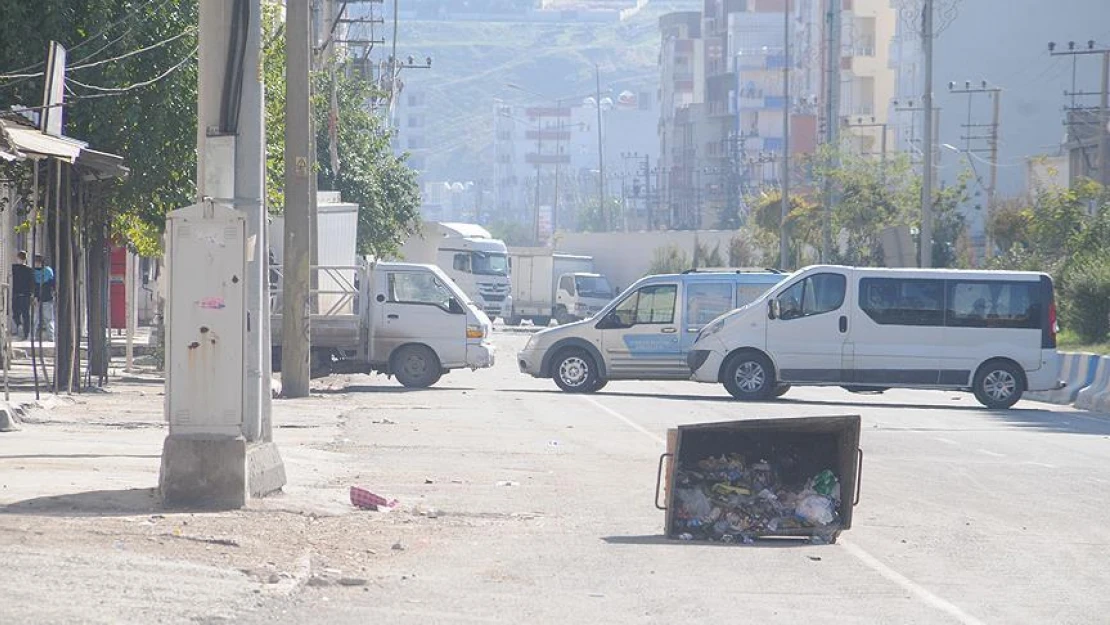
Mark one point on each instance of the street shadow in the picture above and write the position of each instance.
(658, 540)
(393, 390)
(75, 456)
(127, 502)
(1071, 422)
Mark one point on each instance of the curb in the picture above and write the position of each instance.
(1096, 397)
(1078, 370)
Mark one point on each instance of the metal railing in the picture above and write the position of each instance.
(335, 294)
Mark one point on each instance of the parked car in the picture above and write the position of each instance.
(989, 332)
(644, 333)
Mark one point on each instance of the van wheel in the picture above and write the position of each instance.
(575, 372)
(416, 366)
(561, 316)
(541, 322)
(998, 384)
(781, 390)
(750, 377)
(600, 385)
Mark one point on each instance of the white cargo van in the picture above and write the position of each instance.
(989, 332)
(644, 333)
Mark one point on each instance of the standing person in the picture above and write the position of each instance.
(44, 294)
(23, 282)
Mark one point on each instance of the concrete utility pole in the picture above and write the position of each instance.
(1102, 125)
(992, 143)
(832, 114)
(928, 153)
(784, 232)
(296, 317)
(600, 155)
(219, 450)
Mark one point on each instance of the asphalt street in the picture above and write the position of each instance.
(535, 506)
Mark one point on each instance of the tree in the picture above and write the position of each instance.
(369, 173)
(669, 259)
(150, 126)
(594, 218)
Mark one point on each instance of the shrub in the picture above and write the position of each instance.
(1085, 299)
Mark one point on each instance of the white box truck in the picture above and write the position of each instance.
(475, 260)
(547, 284)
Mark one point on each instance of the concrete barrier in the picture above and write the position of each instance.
(1096, 397)
(1078, 371)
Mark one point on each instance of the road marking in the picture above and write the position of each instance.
(908, 584)
(947, 441)
(858, 553)
(988, 452)
(1039, 464)
(629, 422)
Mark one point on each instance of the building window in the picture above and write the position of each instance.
(415, 143)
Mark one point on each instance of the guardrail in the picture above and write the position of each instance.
(1096, 396)
(1077, 370)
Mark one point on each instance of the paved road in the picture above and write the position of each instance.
(967, 516)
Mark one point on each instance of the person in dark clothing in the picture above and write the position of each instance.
(23, 280)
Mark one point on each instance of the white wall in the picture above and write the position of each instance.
(626, 256)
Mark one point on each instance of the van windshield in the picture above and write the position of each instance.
(489, 263)
(593, 286)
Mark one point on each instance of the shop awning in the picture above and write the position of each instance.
(33, 142)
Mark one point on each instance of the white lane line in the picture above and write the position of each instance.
(629, 422)
(870, 561)
(1039, 464)
(947, 441)
(909, 585)
(988, 452)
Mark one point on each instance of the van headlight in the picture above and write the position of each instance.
(710, 329)
(475, 332)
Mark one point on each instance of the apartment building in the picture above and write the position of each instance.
(723, 95)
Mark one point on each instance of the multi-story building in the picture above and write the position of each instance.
(868, 78)
(546, 156)
(721, 128)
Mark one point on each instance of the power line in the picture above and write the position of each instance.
(138, 85)
(153, 46)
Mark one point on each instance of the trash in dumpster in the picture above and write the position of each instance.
(733, 482)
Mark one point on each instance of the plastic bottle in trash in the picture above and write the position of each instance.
(686, 536)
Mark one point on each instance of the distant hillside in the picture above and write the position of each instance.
(473, 62)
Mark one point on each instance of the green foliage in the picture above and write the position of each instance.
(369, 173)
(152, 127)
(1085, 299)
(704, 257)
(512, 232)
(594, 218)
(669, 259)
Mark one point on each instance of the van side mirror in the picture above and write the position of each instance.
(774, 311)
(610, 321)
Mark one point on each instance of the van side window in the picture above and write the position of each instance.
(566, 283)
(418, 288)
(1015, 305)
(462, 262)
(815, 295)
(902, 302)
(648, 305)
(748, 293)
(706, 302)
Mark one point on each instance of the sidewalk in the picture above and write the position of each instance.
(80, 520)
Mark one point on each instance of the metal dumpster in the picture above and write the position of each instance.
(740, 480)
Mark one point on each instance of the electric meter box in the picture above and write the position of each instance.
(206, 323)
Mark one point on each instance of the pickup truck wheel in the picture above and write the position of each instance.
(575, 371)
(562, 317)
(416, 366)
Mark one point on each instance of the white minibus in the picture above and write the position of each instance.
(989, 332)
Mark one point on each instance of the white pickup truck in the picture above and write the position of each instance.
(402, 319)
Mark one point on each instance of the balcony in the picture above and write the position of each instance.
(547, 159)
(547, 135)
